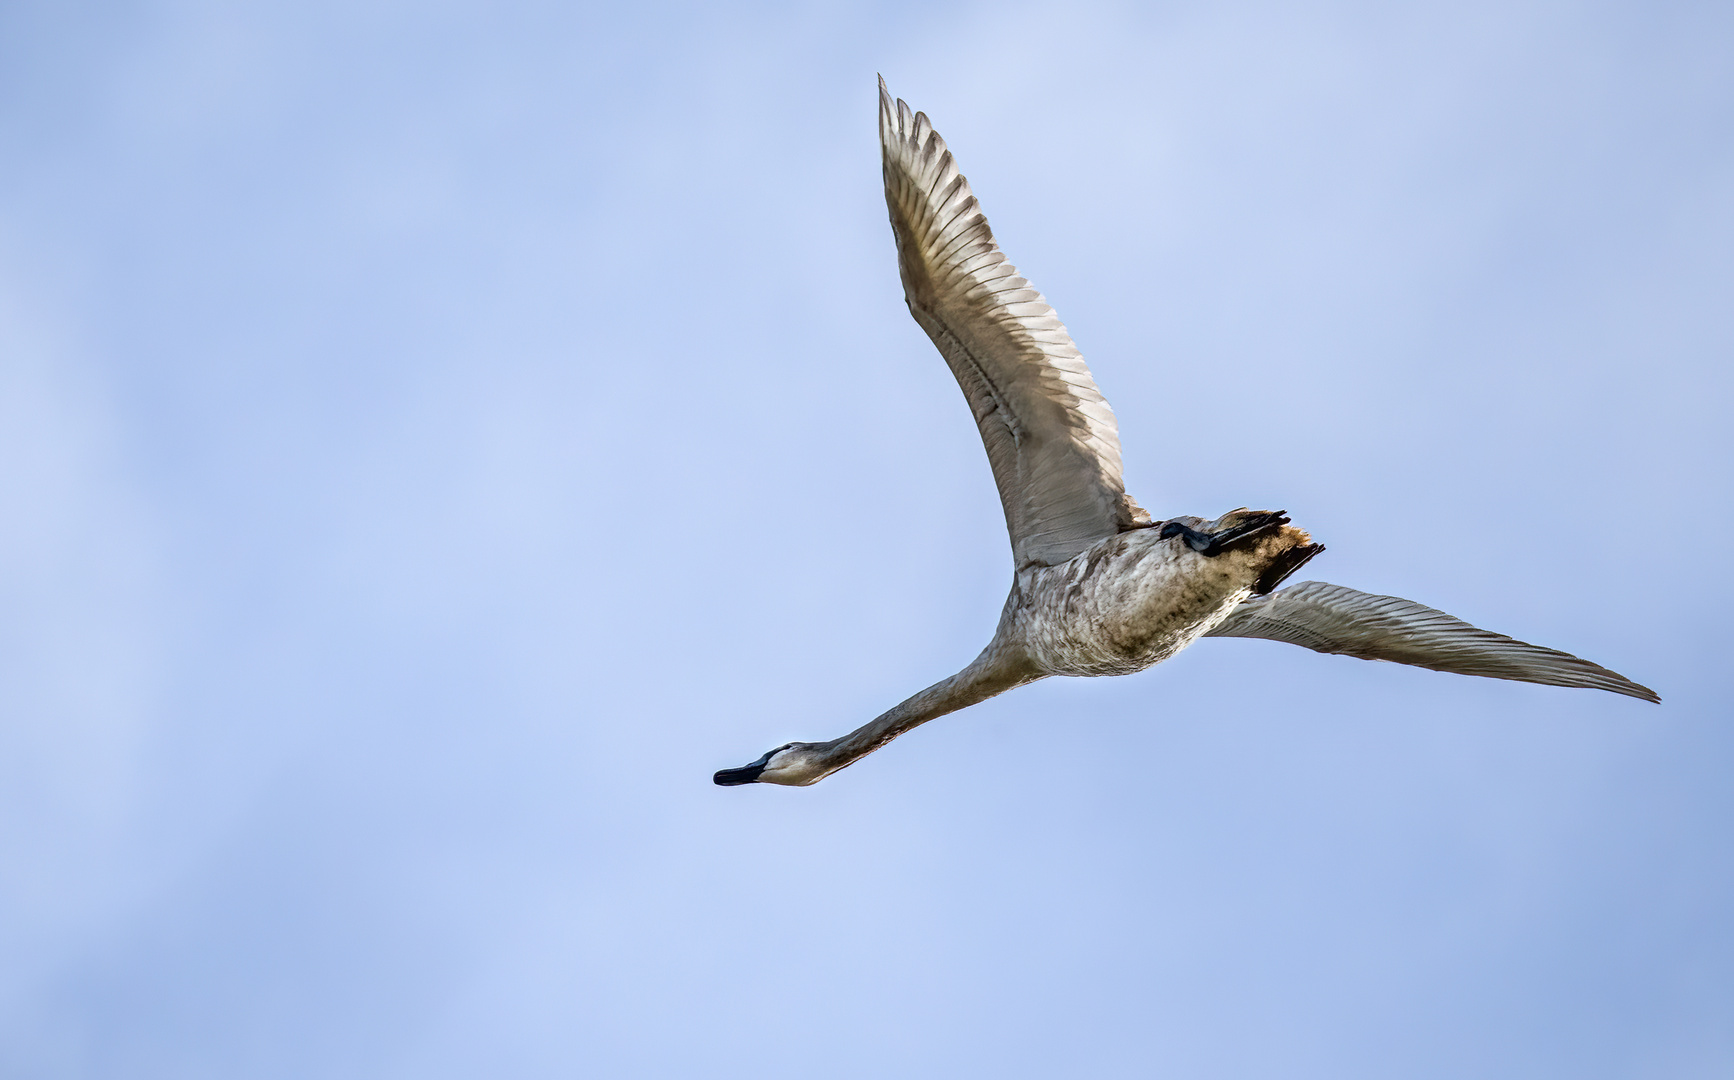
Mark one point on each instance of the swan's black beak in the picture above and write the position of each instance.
(746, 774)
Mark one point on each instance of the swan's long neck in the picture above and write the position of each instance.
(999, 668)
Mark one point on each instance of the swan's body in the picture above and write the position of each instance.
(1100, 588)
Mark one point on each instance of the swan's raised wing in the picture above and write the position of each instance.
(1050, 435)
(1332, 619)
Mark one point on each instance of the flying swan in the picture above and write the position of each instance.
(1100, 588)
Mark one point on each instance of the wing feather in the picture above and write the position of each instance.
(1050, 435)
(1334, 619)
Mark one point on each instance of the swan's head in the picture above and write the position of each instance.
(795, 764)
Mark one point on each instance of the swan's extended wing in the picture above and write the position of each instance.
(1332, 619)
(1050, 435)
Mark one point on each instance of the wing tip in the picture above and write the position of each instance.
(887, 111)
(899, 124)
(1641, 692)
(1621, 685)
(895, 121)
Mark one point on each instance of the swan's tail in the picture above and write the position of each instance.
(1275, 545)
(1292, 558)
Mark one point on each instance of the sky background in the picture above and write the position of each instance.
(435, 437)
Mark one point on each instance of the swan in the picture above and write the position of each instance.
(1099, 586)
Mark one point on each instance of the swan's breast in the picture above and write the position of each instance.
(1131, 601)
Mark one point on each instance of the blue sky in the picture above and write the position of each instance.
(434, 438)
